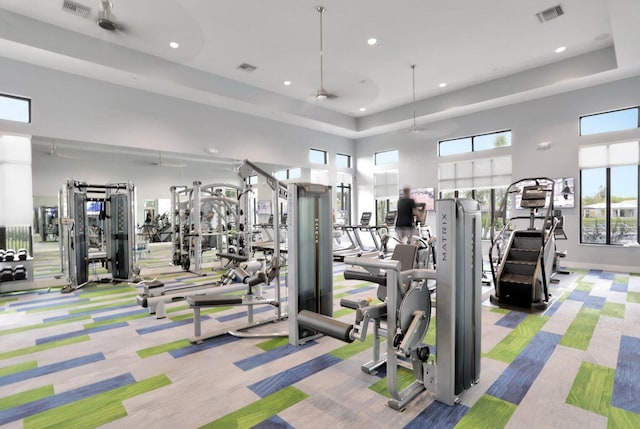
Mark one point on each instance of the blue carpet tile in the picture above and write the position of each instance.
(578, 295)
(80, 332)
(209, 344)
(59, 300)
(361, 289)
(619, 287)
(48, 369)
(512, 319)
(82, 291)
(118, 315)
(269, 356)
(54, 304)
(552, 310)
(514, 383)
(290, 376)
(438, 416)
(274, 422)
(90, 312)
(595, 272)
(596, 302)
(626, 388)
(44, 404)
(606, 275)
(256, 310)
(163, 326)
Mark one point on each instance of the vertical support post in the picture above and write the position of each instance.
(197, 234)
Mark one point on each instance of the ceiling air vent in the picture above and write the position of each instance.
(549, 14)
(246, 67)
(76, 8)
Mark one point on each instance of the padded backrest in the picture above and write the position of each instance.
(406, 254)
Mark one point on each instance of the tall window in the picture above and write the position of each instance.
(609, 191)
(489, 199)
(16, 109)
(474, 143)
(609, 121)
(385, 191)
(317, 156)
(386, 157)
(343, 160)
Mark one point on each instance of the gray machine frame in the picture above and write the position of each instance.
(118, 201)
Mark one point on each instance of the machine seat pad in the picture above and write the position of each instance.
(212, 301)
(233, 257)
(154, 284)
(325, 325)
(362, 274)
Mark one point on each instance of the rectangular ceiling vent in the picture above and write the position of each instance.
(549, 14)
(246, 67)
(76, 8)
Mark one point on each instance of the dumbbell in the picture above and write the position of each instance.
(19, 272)
(22, 254)
(6, 274)
(9, 255)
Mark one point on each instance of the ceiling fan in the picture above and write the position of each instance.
(321, 93)
(414, 126)
(106, 19)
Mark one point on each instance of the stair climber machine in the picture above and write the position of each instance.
(523, 247)
(404, 314)
(97, 226)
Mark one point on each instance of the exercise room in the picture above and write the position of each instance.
(361, 214)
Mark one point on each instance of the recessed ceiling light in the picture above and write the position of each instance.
(174, 45)
(443, 84)
(363, 109)
(372, 41)
(286, 83)
(560, 49)
(211, 150)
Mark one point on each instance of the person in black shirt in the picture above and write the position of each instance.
(407, 209)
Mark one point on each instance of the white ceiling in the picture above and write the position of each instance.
(465, 43)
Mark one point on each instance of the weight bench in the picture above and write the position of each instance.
(233, 258)
(202, 301)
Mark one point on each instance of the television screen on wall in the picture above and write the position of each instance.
(425, 196)
(564, 193)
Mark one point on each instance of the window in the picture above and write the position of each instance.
(386, 157)
(253, 180)
(490, 200)
(477, 173)
(319, 176)
(609, 193)
(343, 160)
(317, 156)
(16, 109)
(609, 121)
(474, 143)
(289, 173)
(385, 192)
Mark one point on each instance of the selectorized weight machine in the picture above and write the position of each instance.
(406, 311)
(97, 226)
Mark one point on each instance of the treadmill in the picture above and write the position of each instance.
(356, 247)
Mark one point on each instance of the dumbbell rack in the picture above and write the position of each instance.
(17, 285)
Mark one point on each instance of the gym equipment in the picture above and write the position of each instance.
(522, 253)
(9, 255)
(19, 272)
(357, 247)
(97, 227)
(6, 274)
(48, 223)
(407, 310)
(310, 268)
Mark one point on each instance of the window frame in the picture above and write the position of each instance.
(16, 97)
(375, 157)
(318, 151)
(580, 118)
(345, 156)
(473, 137)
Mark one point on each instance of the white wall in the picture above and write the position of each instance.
(15, 180)
(554, 119)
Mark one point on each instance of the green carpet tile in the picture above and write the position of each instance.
(405, 378)
(162, 348)
(42, 347)
(260, 410)
(273, 343)
(3, 301)
(511, 345)
(83, 308)
(584, 286)
(96, 410)
(619, 278)
(115, 320)
(613, 309)
(633, 297)
(350, 350)
(580, 331)
(202, 313)
(12, 369)
(42, 325)
(342, 312)
(22, 398)
(500, 310)
(623, 419)
(488, 413)
(592, 388)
